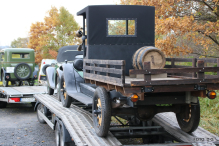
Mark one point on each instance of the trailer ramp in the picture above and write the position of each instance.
(199, 137)
(80, 126)
(78, 123)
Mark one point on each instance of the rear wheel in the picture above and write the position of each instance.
(191, 124)
(101, 111)
(4, 82)
(22, 71)
(3, 104)
(66, 100)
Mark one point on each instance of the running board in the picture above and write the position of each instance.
(82, 98)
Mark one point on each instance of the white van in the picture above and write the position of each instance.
(44, 64)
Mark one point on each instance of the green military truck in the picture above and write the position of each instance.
(17, 65)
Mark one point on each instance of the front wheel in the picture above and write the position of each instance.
(101, 112)
(65, 98)
(191, 124)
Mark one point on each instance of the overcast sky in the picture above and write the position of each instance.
(16, 16)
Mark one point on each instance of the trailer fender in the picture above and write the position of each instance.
(50, 77)
(36, 105)
(66, 135)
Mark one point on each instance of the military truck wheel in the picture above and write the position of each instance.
(66, 100)
(101, 111)
(3, 104)
(191, 124)
(22, 71)
(4, 82)
(40, 107)
(50, 90)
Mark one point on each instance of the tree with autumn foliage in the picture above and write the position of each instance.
(19, 43)
(57, 30)
(184, 24)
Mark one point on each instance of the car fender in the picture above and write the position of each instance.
(36, 105)
(69, 76)
(50, 72)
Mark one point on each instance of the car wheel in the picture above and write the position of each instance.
(101, 111)
(19, 83)
(191, 124)
(66, 100)
(4, 82)
(22, 71)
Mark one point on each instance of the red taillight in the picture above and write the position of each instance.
(44, 62)
(15, 99)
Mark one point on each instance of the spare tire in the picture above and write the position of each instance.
(44, 68)
(22, 71)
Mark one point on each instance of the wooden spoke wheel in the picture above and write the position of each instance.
(65, 99)
(101, 111)
(191, 123)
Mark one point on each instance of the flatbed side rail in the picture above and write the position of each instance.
(106, 71)
(199, 71)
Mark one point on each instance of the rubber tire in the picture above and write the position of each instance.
(33, 104)
(57, 134)
(50, 90)
(42, 121)
(3, 104)
(3, 80)
(20, 83)
(193, 123)
(62, 143)
(44, 68)
(58, 86)
(31, 83)
(15, 73)
(65, 102)
(102, 130)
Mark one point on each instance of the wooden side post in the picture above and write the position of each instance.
(201, 75)
(218, 66)
(147, 65)
(194, 60)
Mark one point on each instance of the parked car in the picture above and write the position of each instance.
(17, 65)
(66, 54)
(44, 64)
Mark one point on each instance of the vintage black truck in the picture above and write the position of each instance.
(125, 76)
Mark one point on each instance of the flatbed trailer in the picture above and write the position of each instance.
(78, 127)
(22, 94)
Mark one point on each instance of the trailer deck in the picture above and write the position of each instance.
(79, 124)
(25, 93)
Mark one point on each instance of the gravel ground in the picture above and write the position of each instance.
(19, 127)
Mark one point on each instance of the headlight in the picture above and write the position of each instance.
(10, 69)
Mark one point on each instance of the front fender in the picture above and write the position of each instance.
(3, 71)
(50, 72)
(59, 74)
